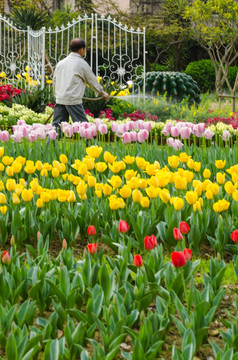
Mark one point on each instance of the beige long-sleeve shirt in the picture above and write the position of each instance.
(70, 78)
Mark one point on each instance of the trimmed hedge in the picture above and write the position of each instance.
(202, 71)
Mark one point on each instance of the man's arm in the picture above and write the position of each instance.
(92, 81)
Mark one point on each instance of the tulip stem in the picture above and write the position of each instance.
(184, 285)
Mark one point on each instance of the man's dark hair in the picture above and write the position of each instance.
(77, 44)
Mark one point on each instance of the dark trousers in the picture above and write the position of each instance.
(62, 112)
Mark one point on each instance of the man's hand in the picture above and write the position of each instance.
(105, 95)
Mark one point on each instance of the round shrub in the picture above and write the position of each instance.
(202, 71)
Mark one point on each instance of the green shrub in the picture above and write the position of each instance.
(202, 71)
(158, 67)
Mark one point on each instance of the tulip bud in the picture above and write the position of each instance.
(114, 300)
(91, 230)
(6, 258)
(138, 261)
(64, 244)
(123, 226)
(142, 316)
(38, 235)
(12, 241)
(136, 291)
(187, 323)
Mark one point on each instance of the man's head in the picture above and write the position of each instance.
(78, 45)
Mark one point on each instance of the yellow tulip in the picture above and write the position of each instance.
(27, 195)
(47, 166)
(190, 163)
(163, 178)
(39, 203)
(197, 166)
(98, 193)
(197, 206)
(116, 203)
(221, 205)
(115, 181)
(83, 169)
(56, 164)
(2, 167)
(63, 158)
(101, 166)
(92, 181)
(7, 160)
(3, 199)
(145, 202)
(142, 183)
(209, 194)
(206, 173)
(22, 182)
(152, 192)
(1, 185)
(55, 172)
(15, 199)
(220, 177)
(62, 195)
(141, 163)
(229, 187)
(21, 160)
(134, 183)
(153, 181)
(183, 157)
(3, 209)
(136, 195)
(129, 159)
(9, 171)
(164, 195)
(44, 172)
(150, 169)
(71, 196)
(220, 164)
(1, 151)
(45, 196)
(89, 162)
(130, 174)
(180, 183)
(235, 195)
(115, 167)
(109, 158)
(83, 197)
(107, 190)
(81, 188)
(191, 197)
(16, 167)
(62, 167)
(234, 177)
(173, 161)
(178, 203)
(39, 165)
(94, 151)
(125, 191)
(10, 184)
(29, 167)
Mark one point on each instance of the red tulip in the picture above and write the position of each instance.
(64, 244)
(150, 242)
(234, 236)
(123, 226)
(92, 248)
(6, 258)
(91, 230)
(187, 254)
(178, 258)
(138, 261)
(183, 227)
(177, 234)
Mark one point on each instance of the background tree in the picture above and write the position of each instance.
(215, 27)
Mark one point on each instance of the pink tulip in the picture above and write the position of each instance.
(4, 135)
(165, 132)
(174, 131)
(134, 136)
(226, 135)
(103, 129)
(177, 145)
(126, 137)
(170, 141)
(140, 124)
(130, 125)
(76, 127)
(201, 127)
(21, 122)
(147, 125)
(208, 134)
(185, 132)
(88, 133)
(52, 134)
(114, 127)
(17, 136)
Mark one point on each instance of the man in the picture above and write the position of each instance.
(69, 81)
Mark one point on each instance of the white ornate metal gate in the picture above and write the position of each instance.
(115, 52)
